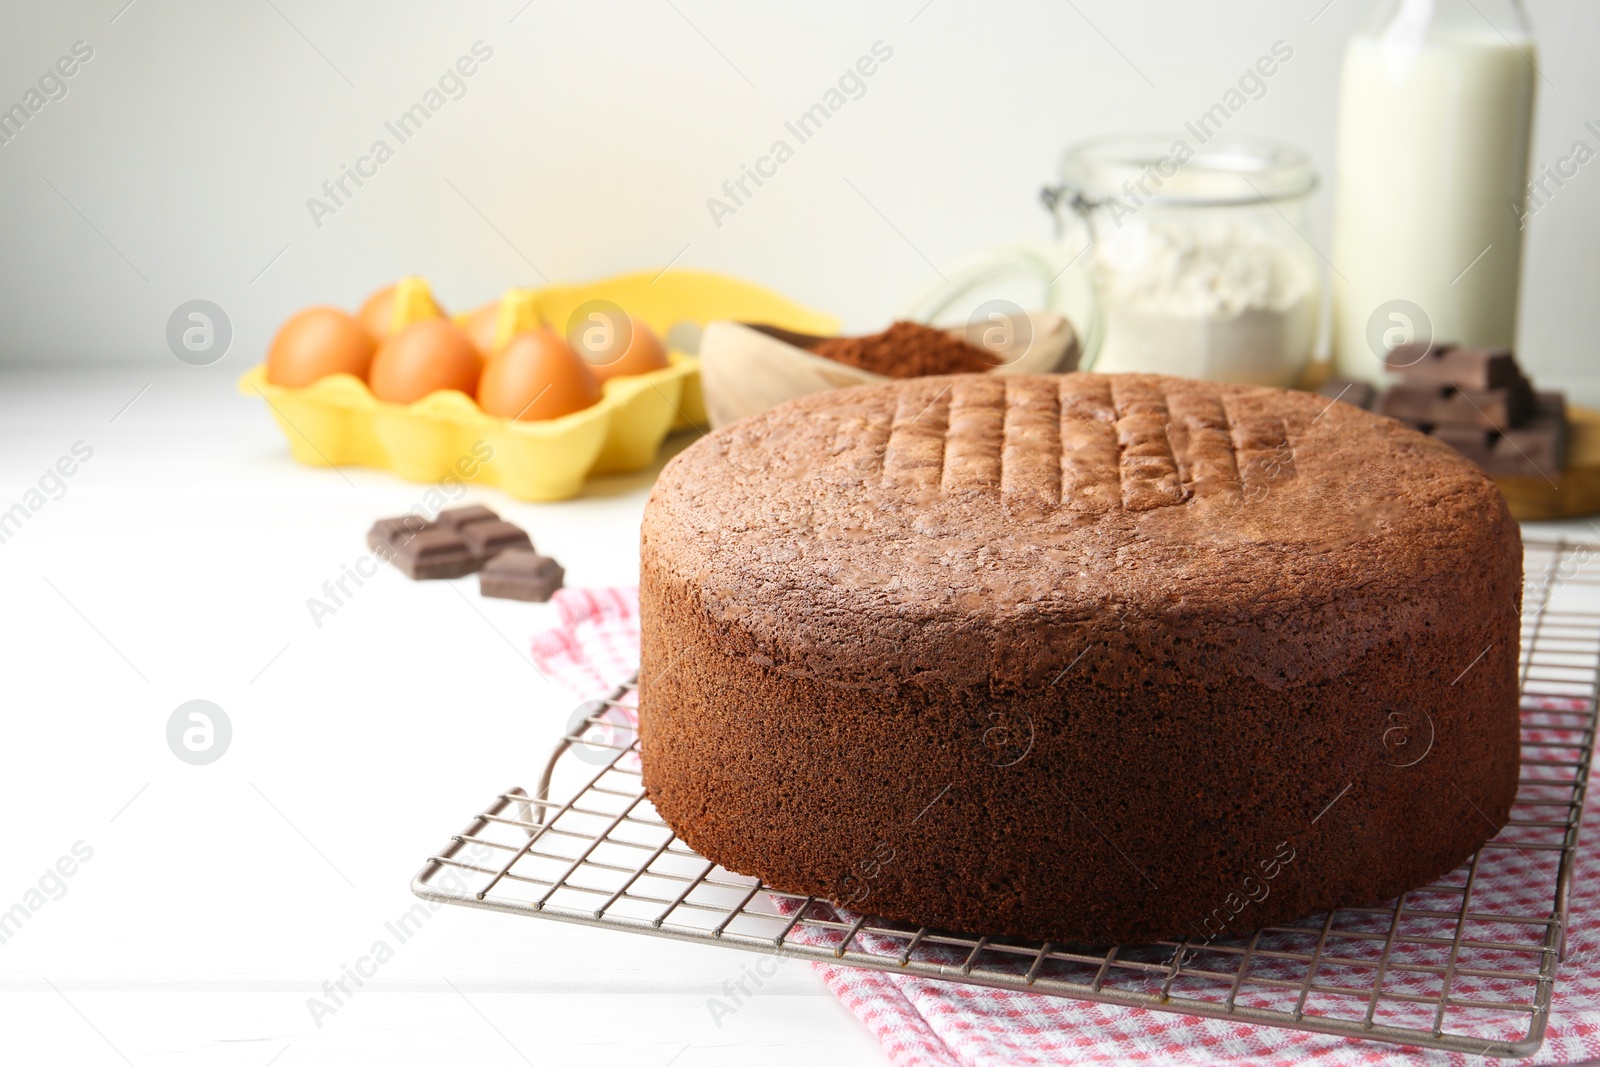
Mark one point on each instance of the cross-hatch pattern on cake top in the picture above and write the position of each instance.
(1086, 443)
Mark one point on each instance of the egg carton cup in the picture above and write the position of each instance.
(336, 421)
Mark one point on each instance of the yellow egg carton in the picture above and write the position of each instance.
(336, 421)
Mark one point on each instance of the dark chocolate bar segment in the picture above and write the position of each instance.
(1476, 444)
(1479, 369)
(460, 518)
(459, 542)
(1493, 409)
(1401, 359)
(435, 553)
(1550, 406)
(1476, 400)
(386, 532)
(488, 539)
(1538, 448)
(521, 574)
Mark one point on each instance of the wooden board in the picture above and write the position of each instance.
(1576, 491)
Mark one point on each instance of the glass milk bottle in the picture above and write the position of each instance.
(1435, 114)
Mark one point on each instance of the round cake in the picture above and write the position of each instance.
(1087, 658)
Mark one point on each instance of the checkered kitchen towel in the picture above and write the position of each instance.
(923, 1023)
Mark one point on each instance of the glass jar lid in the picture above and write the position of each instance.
(1174, 170)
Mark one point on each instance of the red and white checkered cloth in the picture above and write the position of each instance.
(596, 647)
(923, 1023)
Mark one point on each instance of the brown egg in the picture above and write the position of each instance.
(536, 376)
(377, 314)
(424, 358)
(643, 354)
(317, 342)
(481, 325)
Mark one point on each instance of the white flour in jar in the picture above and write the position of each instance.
(1206, 299)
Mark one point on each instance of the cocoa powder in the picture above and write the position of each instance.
(906, 350)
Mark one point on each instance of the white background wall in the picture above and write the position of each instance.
(179, 163)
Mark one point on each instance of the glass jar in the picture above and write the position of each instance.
(1172, 255)
(1200, 262)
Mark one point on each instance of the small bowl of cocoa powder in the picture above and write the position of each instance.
(747, 368)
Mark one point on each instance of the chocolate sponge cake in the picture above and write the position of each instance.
(1082, 657)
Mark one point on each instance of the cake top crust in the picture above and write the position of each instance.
(1077, 496)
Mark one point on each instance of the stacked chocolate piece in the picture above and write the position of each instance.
(463, 541)
(1477, 401)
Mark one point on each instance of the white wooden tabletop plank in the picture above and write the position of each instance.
(254, 1029)
(215, 900)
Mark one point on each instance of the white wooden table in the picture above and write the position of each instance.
(175, 565)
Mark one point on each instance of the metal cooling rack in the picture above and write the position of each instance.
(1463, 964)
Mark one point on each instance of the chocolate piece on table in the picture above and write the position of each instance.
(1402, 359)
(1479, 369)
(386, 532)
(1473, 442)
(1492, 409)
(521, 574)
(457, 518)
(1476, 444)
(489, 539)
(1550, 405)
(1538, 448)
(436, 552)
(1356, 394)
(457, 544)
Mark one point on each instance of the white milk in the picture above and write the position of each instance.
(1432, 168)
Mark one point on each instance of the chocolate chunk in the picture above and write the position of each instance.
(1479, 369)
(1476, 444)
(489, 539)
(1538, 448)
(1356, 394)
(458, 518)
(1550, 405)
(1492, 409)
(1402, 358)
(435, 553)
(521, 574)
(386, 532)
(460, 542)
